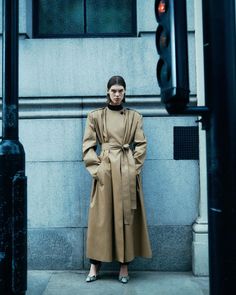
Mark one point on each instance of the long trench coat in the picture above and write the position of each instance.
(117, 227)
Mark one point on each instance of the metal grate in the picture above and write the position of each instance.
(186, 143)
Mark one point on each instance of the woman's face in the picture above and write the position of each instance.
(116, 93)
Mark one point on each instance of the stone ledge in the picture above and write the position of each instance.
(78, 107)
(64, 249)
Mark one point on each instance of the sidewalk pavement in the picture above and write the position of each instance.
(141, 283)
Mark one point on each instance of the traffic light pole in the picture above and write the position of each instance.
(220, 92)
(13, 204)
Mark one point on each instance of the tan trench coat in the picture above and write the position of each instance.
(117, 228)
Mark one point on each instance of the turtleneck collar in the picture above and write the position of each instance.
(115, 107)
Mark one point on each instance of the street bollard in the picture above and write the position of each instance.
(13, 223)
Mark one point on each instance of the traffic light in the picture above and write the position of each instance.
(172, 47)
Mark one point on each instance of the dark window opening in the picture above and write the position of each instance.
(85, 18)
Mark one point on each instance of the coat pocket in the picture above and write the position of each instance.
(103, 171)
(93, 192)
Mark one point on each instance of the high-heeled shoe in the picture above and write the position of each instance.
(124, 279)
(90, 279)
(93, 278)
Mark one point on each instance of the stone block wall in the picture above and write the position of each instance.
(59, 189)
(60, 80)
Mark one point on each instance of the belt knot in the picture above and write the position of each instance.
(125, 147)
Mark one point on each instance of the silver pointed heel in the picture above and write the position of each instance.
(90, 279)
(93, 278)
(124, 279)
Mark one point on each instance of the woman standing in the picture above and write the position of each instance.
(117, 228)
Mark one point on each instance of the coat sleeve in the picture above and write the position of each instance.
(140, 144)
(90, 156)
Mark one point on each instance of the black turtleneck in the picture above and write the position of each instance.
(115, 107)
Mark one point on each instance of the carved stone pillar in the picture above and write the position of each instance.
(200, 227)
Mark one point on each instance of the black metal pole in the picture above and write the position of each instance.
(10, 69)
(13, 195)
(220, 87)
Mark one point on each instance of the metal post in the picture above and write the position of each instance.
(220, 87)
(10, 69)
(13, 210)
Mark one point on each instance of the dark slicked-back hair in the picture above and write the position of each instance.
(115, 80)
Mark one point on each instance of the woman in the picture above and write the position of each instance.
(117, 228)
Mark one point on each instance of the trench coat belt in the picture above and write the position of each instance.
(128, 178)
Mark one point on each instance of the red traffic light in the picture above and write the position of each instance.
(172, 47)
(161, 7)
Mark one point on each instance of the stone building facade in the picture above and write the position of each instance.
(60, 80)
